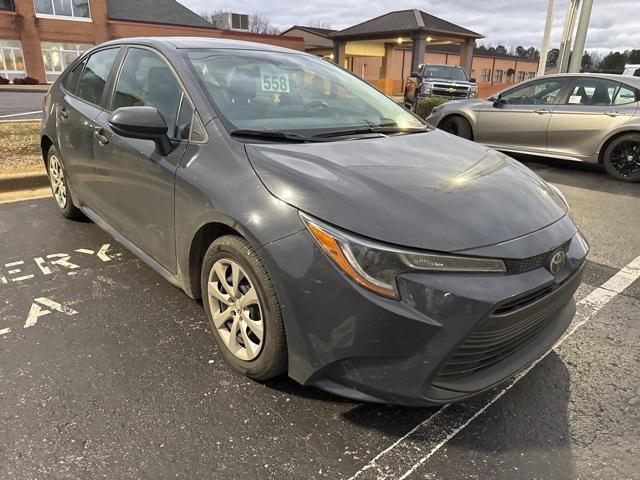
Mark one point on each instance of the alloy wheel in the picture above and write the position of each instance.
(625, 158)
(235, 309)
(58, 184)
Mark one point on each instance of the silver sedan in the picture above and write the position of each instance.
(583, 117)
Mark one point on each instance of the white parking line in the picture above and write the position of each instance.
(440, 428)
(11, 115)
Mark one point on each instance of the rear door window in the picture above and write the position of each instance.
(599, 92)
(147, 80)
(94, 77)
(70, 82)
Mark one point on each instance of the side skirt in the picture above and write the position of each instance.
(166, 274)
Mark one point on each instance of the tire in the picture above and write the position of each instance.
(257, 358)
(458, 126)
(59, 186)
(622, 158)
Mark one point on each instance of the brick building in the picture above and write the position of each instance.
(39, 38)
(381, 51)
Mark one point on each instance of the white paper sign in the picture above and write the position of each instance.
(575, 99)
(271, 81)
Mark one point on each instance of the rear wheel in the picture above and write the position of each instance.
(243, 309)
(622, 158)
(458, 126)
(60, 186)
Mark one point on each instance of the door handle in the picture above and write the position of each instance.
(542, 111)
(64, 113)
(614, 114)
(99, 134)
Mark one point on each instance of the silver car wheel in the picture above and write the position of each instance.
(58, 184)
(235, 309)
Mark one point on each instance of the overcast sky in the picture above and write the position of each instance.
(615, 24)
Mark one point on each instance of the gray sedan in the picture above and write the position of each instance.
(584, 117)
(330, 233)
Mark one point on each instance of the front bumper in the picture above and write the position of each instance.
(347, 340)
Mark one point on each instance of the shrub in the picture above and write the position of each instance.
(425, 105)
(3, 81)
(26, 81)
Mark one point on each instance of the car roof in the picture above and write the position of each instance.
(634, 81)
(201, 42)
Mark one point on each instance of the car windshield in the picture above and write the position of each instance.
(283, 92)
(444, 72)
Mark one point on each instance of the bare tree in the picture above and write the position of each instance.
(211, 16)
(258, 23)
(320, 23)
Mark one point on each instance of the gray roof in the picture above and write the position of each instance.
(155, 11)
(404, 22)
(322, 32)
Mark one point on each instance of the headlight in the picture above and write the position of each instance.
(473, 91)
(426, 88)
(375, 266)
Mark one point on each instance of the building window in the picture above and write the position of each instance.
(239, 21)
(497, 77)
(58, 56)
(6, 5)
(69, 9)
(520, 76)
(532, 74)
(11, 60)
(486, 75)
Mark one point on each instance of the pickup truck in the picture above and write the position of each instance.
(443, 81)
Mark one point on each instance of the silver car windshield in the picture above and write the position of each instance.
(273, 91)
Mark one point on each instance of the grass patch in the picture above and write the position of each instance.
(20, 147)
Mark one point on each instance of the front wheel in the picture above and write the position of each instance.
(458, 126)
(622, 158)
(60, 186)
(243, 309)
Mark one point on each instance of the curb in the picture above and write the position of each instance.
(23, 181)
(26, 120)
(25, 88)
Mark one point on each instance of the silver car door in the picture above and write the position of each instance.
(518, 119)
(592, 109)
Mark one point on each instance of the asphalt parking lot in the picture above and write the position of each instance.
(107, 371)
(20, 105)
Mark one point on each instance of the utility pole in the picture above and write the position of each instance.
(581, 36)
(567, 34)
(544, 50)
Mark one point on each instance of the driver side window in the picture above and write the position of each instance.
(540, 92)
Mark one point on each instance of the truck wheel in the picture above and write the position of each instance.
(457, 125)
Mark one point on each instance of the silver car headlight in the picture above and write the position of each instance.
(375, 266)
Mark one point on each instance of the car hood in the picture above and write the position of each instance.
(430, 190)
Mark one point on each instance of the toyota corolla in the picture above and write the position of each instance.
(330, 233)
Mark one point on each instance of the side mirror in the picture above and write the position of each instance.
(415, 74)
(142, 122)
(472, 80)
(499, 102)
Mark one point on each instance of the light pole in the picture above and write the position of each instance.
(544, 50)
(581, 36)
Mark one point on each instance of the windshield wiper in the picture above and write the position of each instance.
(384, 129)
(270, 135)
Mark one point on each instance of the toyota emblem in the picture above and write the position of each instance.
(557, 262)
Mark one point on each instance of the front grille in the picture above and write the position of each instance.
(511, 326)
(450, 91)
(531, 263)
